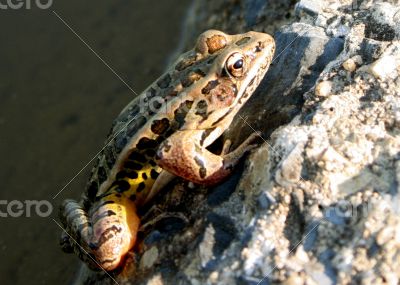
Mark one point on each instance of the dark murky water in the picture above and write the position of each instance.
(57, 102)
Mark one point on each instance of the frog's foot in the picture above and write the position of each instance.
(232, 158)
(226, 147)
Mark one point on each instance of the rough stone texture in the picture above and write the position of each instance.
(234, 16)
(318, 202)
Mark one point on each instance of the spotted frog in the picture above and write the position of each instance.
(164, 133)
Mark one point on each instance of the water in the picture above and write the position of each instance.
(57, 102)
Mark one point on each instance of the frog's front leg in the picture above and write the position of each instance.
(105, 234)
(184, 154)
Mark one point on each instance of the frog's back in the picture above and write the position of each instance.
(147, 107)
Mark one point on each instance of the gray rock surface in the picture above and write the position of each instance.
(318, 202)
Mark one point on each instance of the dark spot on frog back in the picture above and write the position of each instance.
(192, 77)
(181, 112)
(146, 143)
(131, 112)
(201, 109)
(124, 173)
(101, 174)
(168, 93)
(150, 94)
(186, 62)
(141, 187)
(210, 86)
(252, 81)
(110, 156)
(150, 153)
(132, 165)
(135, 125)
(121, 185)
(154, 174)
(120, 142)
(164, 81)
(137, 156)
(92, 189)
(160, 126)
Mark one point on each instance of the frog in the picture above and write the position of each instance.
(165, 133)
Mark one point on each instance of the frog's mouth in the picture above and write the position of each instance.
(261, 54)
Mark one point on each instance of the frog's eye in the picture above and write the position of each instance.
(235, 65)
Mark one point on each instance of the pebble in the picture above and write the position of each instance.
(323, 88)
(349, 65)
(149, 258)
(214, 276)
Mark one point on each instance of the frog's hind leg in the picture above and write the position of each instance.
(115, 223)
(104, 235)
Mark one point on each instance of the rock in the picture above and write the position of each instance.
(323, 88)
(149, 258)
(350, 65)
(318, 201)
(235, 17)
(384, 22)
(294, 70)
(309, 7)
(385, 66)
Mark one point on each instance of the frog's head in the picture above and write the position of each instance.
(231, 66)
